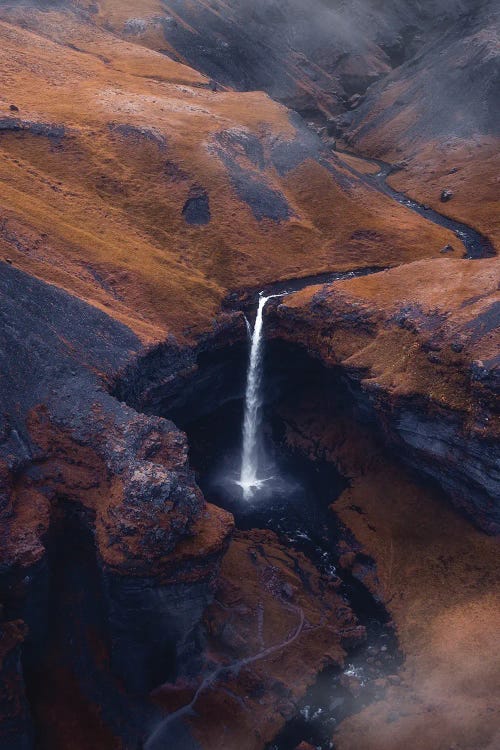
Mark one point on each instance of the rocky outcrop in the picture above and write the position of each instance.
(269, 636)
(419, 349)
(77, 464)
(16, 125)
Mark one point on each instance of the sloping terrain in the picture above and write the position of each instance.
(135, 186)
(139, 197)
(438, 115)
(312, 56)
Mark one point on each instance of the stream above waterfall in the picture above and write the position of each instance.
(477, 245)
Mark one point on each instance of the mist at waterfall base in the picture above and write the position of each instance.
(244, 465)
(252, 472)
(258, 474)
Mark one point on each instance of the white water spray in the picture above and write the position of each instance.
(249, 480)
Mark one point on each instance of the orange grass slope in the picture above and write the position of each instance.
(439, 577)
(111, 141)
(417, 330)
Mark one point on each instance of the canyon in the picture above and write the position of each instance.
(164, 163)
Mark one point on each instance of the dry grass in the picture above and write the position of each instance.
(101, 214)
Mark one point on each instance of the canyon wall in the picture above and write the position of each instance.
(419, 346)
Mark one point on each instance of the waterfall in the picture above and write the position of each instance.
(249, 480)
(249, 328)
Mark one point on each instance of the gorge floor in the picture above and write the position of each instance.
(296, 505)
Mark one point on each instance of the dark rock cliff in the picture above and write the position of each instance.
(74, 458)
(390, 351)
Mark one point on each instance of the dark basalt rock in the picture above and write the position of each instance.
(49, 130)
(196, 210)
(335, 126)
(188, 381)
(90, 469)
(287, 155)
(398, 167)
(156, 630)
(235, 143)
(138, 134)
(446, 196)
(265, 202)
(243, 157)
(16, 731)
(466, 466)
(355, 101)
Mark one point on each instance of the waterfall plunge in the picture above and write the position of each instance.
(249, 480)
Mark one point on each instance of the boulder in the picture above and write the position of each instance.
(355, 101)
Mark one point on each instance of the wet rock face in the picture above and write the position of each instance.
(156, 630)
(467, 468)
(185, 382)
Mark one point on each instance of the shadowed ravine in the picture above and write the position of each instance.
(162, 733)
(247, 450)
(294, 503)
